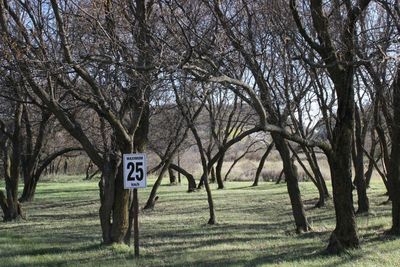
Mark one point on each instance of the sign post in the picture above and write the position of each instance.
(135, 176)
(136, 222)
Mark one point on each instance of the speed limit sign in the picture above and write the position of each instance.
(135, 171)
(135, 176)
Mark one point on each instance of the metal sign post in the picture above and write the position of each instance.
(135, 176)
(136, 222)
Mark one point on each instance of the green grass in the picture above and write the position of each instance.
(255, 228)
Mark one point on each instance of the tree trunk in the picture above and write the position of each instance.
(394, 183)
(316, 178)
(4, 206)
(394, 167)
(29, 190)
(363, 201)
(370, 168)
(120, 212)
(107, 191)
(29, 183)
(280, 177)
(201, 183)
(172, 177)
(151, 201)
(12, 209)
(218, 172)
(12, 159)
(325, 187)
(261, 164)
(368, 174)
(212, 219)
(292, 184)
(322, 190)
(204, 177)
(179, 165)
(317, 171)
(190, 178)
(358, 161)
(65, 168)
(88, 170)
(212, 180)
(345, 234)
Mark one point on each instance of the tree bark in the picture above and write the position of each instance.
(212, 219)
(107, 192)
(201, 183)
(360, 183)
(280, 177)
(29, 190)
(394, 167)
(212, 173)
(190, 177)
(358, 161)
(120, 212)
(218, 171)
(172, 177)
(368, 173)
(316, 180)
(261, 163)
(312, 159)
(12, 158)
(345, 234)
(151, 201)
(291, 176)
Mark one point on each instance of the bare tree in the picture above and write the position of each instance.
(254, 49)
(185, 90)
(89, 72)
(339, 57)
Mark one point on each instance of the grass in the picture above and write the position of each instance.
(255, 228)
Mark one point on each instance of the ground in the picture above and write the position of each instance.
(255, 228)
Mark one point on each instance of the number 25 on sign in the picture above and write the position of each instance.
(135, 171)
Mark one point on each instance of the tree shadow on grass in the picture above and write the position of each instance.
(64, 216)
(65, 204)
(321, 234)
(51, 251)
(297, 255)
(46, 192)
(276, 255)
(265, 187)
(253, 232)
(248, 187)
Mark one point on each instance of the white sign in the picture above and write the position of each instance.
(135, 171)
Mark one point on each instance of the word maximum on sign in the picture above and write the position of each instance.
(135, 171)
